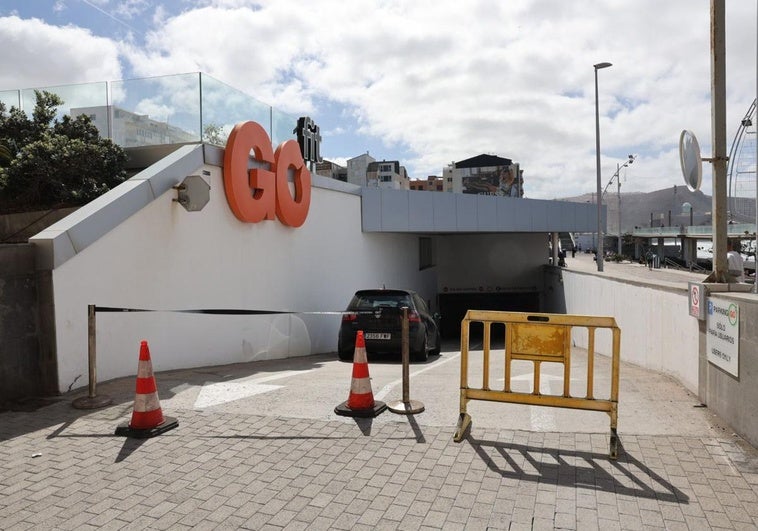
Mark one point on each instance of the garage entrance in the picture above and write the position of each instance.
(453, 306)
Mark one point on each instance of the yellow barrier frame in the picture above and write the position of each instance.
(539, 337)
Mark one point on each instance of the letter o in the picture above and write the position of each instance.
(292, 211)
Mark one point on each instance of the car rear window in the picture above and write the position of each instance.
(369, 301)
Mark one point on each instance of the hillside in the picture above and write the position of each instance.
(663, 207)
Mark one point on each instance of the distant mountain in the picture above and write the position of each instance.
(660, 208)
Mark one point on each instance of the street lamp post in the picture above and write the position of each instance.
(618, 197)
(599, 253)
(617, 176)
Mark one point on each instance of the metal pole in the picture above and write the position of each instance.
(92, 401)
(406, 406)
(618, 194)
(92, 350)
(718, 126)
(406, 354)
(597, 165)
(755, 244)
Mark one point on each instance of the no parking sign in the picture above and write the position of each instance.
(697, 294)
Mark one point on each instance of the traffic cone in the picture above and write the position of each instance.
(147, 416)
(360, 402)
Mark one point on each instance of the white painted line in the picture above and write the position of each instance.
(390, 386)
(275, 376)
(223, 392)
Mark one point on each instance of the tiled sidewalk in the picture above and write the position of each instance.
(64, 469)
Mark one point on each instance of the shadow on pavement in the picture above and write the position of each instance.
(35, 413)
(577, 469)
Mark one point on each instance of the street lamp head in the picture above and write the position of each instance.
(602, 65)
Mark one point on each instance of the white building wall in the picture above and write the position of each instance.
(356, 169)
(657, 331)
(165, 258)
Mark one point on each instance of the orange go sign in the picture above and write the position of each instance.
(259, 194)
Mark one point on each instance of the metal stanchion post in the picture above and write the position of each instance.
(406, 406)
(92, 401)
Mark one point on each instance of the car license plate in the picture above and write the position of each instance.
(377, 335)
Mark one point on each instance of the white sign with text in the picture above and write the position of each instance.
(723, 335)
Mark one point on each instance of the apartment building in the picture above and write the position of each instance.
(486, 175)
(430, 184)
(331, 169)
(130, 129)
(387, 174)
(357, 167)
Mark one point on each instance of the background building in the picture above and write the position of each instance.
(387, 174)
(430, 184)
(487, 175)
(129, 129)
(357, 167)
(327, 168)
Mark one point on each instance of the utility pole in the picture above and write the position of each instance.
(718, 131)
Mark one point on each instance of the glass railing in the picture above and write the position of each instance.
(223, 106)
(734, 231)
(161, 110)
(11, 98)
(658, 231)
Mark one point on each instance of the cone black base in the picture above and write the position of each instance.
(169, 423)
(375, 411)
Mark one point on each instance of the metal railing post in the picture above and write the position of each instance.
(92, 401)
(406, 406)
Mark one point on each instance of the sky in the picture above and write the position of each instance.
(426, 82)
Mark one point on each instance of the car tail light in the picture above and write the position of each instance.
(349, 317)
(413, 317)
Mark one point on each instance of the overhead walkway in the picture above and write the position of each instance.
(697, 232)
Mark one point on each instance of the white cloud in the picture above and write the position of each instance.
(38, 54)
(446, 81)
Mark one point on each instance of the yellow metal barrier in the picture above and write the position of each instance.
(539, 338)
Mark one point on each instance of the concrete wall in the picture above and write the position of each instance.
(657, 331)
(733, 398)
(163, 257)
(20, 363)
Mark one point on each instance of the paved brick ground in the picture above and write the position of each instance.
(61, 468)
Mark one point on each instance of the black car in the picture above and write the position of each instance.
(378, 312)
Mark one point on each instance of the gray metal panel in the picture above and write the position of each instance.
(487, 214)
(371, 210)
(513, 215)
(562, 215)
(412, 211)
(395, 210)
(539, 216)
(466, 211)
(421, 211)
(444, 211)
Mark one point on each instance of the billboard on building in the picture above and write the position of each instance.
(500, 181)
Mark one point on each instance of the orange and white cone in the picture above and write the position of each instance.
(360, 402)
(147, 416)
